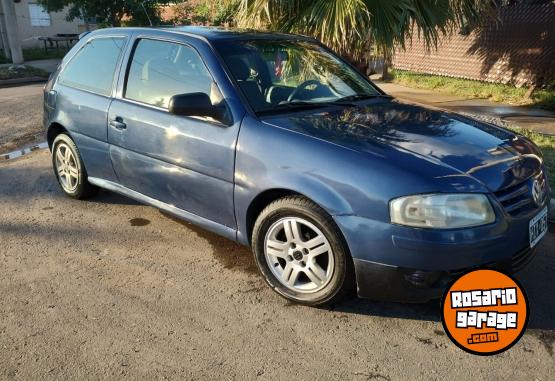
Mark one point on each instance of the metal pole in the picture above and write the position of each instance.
(85, 19)
(3, 35)
(10, 19)
(146, 13)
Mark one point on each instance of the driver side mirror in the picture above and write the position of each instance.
(197, 104)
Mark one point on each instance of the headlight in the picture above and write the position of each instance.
(442, 211)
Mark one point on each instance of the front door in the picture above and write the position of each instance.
(185, 162)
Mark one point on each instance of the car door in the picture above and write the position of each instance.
(83, 93)
(185, 162)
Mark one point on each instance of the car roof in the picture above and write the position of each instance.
(211, 33)
(221, 33)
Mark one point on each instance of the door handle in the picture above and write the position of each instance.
(118, 124)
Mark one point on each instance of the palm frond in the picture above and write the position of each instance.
(351, 26)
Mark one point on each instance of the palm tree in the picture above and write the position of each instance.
(351, 27)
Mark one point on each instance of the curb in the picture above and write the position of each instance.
(21, 81)
(23, 151)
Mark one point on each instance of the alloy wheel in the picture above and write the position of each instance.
(299, 255)
(66, 167)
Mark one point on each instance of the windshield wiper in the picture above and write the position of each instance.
(293, 105)
(359, 97)
(332, 102)
(345, 102)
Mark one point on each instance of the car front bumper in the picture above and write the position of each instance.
(397, 263)
(384, 282)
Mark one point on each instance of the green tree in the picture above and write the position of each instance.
(352, 27)
(208, 12)
(110, 12)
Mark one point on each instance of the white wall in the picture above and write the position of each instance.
(58, 24)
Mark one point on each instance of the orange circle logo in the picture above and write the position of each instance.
(484, 312)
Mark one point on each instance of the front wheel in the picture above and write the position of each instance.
(301, 252)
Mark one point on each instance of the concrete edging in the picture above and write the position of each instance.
(21, 81)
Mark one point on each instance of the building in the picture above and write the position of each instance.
(34, 22)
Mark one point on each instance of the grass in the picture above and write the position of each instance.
(26, 72)
(467, 88)
(33, 54)
(547, 145)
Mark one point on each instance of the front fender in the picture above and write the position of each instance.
(269, 158)
(312, 188)
(342, 180)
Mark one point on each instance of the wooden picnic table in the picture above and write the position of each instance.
(69, 39)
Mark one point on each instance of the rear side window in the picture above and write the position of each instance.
(94, 66)
(160, 69)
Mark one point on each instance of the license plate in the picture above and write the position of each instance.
(538, 227)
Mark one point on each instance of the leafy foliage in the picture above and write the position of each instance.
(351, 26)
(211, 12)
(23, 72)
(110, 12)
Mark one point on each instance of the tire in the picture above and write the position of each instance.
(70, 170)
(301, 253)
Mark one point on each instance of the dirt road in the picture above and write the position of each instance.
(18, 126)
(115, 290)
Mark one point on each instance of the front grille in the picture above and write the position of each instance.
(522, 258)
(517, 199)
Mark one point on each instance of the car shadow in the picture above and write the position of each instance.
(230, 254)
(536, 279)
(107, 197)
(414, 311)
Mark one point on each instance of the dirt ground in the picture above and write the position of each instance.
(18, 126)
(109, 289)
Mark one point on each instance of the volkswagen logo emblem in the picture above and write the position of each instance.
(537, 192)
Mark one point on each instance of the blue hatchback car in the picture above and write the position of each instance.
(274, 141)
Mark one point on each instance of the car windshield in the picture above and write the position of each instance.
(279, 75)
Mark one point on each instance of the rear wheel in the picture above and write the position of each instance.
(301, 252)
(69, 169)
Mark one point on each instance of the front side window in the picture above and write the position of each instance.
(94, 66)
(279, 73)
(160, 69)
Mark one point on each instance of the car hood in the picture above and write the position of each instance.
(494, 156)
